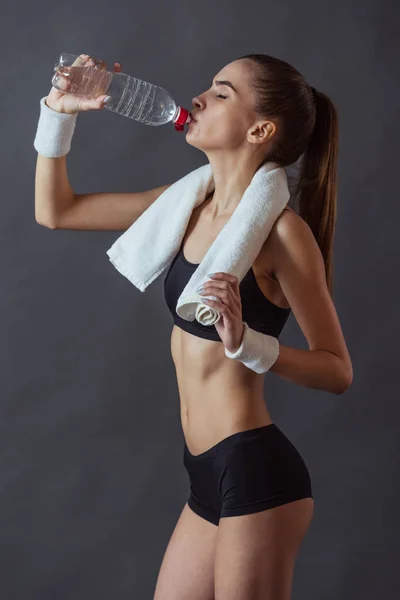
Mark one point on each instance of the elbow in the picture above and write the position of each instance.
(44, 223)
(345, 381)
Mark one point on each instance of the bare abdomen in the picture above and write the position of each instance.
(218, 396)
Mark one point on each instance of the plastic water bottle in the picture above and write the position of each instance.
(129, 96)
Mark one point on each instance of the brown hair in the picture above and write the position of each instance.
(308, 125)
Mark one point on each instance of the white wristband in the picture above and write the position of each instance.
(258, 351)
(54, 131)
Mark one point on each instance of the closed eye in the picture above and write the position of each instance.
(220, 96)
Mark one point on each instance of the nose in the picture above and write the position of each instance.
(196, 102)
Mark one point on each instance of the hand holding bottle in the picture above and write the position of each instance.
(64, 102)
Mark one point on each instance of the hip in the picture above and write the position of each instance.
(253, 466)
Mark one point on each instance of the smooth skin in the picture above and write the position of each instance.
(187, 568)
(249, 557)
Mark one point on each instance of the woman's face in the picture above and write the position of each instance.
(223, 115)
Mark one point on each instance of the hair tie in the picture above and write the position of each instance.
(314, 91)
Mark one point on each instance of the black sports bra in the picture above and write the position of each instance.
(258, 312)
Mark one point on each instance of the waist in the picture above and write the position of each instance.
(218, 395)
(212, 417)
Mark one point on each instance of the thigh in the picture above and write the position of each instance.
(187, 569)
(255, 553)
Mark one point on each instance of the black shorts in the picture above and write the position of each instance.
(245, 473)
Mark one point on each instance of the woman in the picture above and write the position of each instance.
(249, 485)
(251, 499)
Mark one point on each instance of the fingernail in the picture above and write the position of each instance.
(107, 98)
(210, 274)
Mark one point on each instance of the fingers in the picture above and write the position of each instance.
(98, 64)
(79, 61)
(226, 294)
(90, 61)
(101, 65)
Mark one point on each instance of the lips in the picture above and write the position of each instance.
(192, 117)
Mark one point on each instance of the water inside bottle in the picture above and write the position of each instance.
(82, 81)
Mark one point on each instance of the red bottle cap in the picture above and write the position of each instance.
(182, 118)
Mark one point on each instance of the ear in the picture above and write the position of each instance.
(261, 132)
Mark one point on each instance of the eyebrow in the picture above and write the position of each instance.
(228, 83)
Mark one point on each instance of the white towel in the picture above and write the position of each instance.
(150, 244)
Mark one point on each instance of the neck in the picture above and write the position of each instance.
(231, 179)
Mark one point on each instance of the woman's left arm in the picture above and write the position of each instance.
(300, 270)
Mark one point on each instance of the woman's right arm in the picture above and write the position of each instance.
(57, 206)
(53, 193)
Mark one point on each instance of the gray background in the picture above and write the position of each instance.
(91, 474)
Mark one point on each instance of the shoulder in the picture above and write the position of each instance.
(288, 223)
(291, 240)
